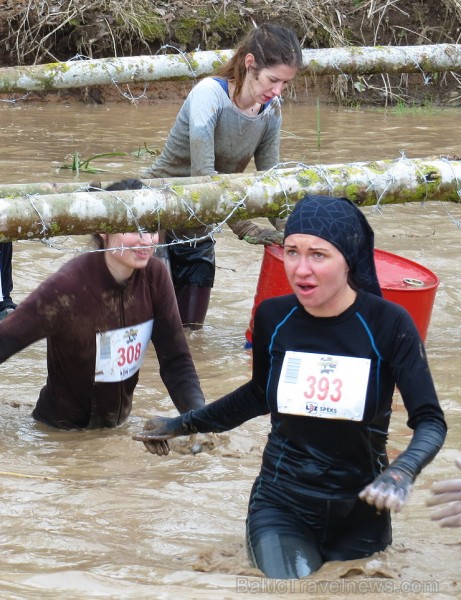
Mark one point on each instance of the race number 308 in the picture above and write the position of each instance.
(128, 354)
(323, 388)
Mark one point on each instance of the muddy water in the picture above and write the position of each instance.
(90, 514)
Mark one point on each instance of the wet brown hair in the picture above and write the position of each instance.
(270, 45)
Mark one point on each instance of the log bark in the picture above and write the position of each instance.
(268, 194)
(11, 190)
(356, 60)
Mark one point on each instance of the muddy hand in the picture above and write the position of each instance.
(389, 490)
(266, 237)
(447, 492)
(156, 432)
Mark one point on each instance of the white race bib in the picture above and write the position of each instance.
(120, 352)
(325, 386)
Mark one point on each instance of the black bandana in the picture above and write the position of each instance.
(340, 222)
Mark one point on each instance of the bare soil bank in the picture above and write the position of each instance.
(56, 30)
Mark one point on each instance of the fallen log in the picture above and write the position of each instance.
(267, 194)
(358, 60)
(11, 190)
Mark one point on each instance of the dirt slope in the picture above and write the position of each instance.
(57, 30)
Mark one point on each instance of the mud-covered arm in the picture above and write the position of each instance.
(223, 414)
(233, 409)
(425, 443)
(255, 234)
(415, 383)
(266, 156)
(391, 488)
(204, 110)
(177, 368)
(37, 317)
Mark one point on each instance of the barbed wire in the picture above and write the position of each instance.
(201, 231)
(128, 95)
(212, 230)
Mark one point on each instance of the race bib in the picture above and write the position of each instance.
(120, 352)
(322, 385)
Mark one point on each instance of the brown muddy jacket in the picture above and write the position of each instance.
(68, 309)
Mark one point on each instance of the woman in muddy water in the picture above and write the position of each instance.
(225, 121)
(326, 362)
(98, 314)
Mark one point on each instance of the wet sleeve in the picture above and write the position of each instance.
(415, 383)
(204, 111)
(244, 227)
(426, 441)
(177, 368)
(266, 156)
(228, 412)
(245, 403)
(37, 317)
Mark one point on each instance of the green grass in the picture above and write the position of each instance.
(83, 164)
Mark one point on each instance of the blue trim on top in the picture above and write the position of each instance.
(224, 83)
(380, 358)
(272, 342)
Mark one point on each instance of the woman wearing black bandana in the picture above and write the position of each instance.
(326, 362)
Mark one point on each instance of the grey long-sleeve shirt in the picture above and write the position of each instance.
(210, 136)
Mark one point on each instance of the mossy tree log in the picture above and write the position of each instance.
(246, 196)
(10, 190)
(356, 60)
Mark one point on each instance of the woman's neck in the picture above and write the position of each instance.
(244, 101)
(121, 273)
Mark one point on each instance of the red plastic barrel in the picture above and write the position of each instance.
(401, 280)
(409, 284)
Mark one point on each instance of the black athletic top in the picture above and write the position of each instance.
(331, 457)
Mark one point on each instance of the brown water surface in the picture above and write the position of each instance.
(91, 514)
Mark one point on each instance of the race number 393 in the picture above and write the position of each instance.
(120, 352)
(323, 385)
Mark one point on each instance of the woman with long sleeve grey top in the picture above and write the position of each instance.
(225, 121)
